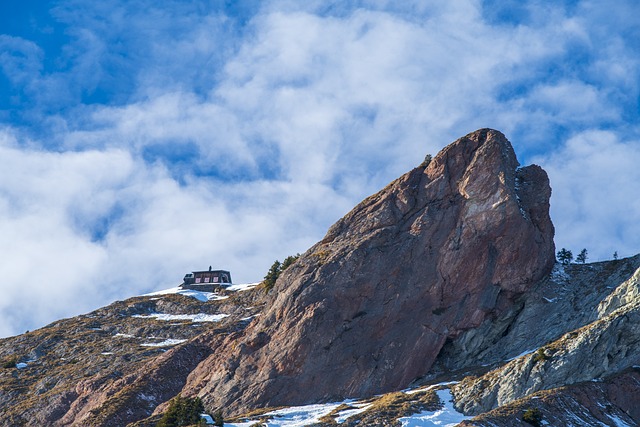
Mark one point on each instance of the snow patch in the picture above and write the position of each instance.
(558, 273)
(618, 422)
(524, 353)
(243, 287)
(124, 335)
(447, 416)
(199, 295)
(347, 413)
(166, 343)
(21, 365)
(203, 296)
(147, 397)
(295, 416)
(421, 389)
(200, 317)
(300, 416)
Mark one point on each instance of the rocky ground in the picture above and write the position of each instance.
(88, 367)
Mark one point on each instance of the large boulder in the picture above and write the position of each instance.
(367, 309)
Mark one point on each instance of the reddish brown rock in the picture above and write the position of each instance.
(367, 309)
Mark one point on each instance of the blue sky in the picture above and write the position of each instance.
(141, 140)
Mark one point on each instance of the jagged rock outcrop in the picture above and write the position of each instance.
(607, 346)
(571, 297)
(368, 308)
(612, 401)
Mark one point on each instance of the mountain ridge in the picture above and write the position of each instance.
(444, 280)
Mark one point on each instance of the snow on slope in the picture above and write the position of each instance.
(203, 296)
(300, 416)
(294, 416)
(200, 317)
(447, 416)
(199, 295)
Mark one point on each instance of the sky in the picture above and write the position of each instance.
(143, 140)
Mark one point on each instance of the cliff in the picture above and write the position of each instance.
(368, 309)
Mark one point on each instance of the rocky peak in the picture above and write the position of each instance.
(367, 309)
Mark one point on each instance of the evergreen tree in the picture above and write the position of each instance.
(275, 270)
(272, 275)
(564, 256)
(218, 419)
(288, 261)
(582, 256)
(615, 255)
(182, 411)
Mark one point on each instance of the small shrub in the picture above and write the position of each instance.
(218, 419)
(288, 261)
(182, 411)
(532, 416)
(540, 355)
(439, 311)
(9, 363)
(427, 160)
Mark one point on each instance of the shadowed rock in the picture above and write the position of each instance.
(367, 309)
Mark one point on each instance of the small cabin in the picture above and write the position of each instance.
(207, 280)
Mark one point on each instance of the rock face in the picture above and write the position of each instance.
(612, 401)
(608, 345)
(368, 309)
(569, 298)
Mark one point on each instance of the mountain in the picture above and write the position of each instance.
(436, 299)
(367, 309)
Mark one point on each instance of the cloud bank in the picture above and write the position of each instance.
(139, 142)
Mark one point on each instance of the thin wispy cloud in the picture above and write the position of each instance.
(140, 141)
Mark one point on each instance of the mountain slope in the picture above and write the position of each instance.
(439, 292)
(116, 364)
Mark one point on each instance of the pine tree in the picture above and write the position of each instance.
(275, 270)
(564, 256)
(288, 261)
(582, 256)
(272, 275)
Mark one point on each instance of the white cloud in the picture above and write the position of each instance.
(151, 230)
(283, 124)
(595, 203)
(20, 59)
(49, 266)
